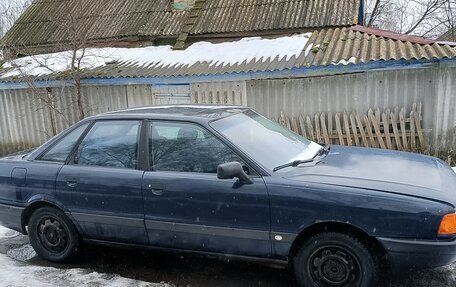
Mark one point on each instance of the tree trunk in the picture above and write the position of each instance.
(374, 13)
(79, 97)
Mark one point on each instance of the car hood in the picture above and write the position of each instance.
(382, 170)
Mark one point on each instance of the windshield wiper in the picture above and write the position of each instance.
(295, 163)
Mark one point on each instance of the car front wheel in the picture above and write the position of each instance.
(53, 236)
(336, 260)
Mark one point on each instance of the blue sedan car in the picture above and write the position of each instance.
(228, 181)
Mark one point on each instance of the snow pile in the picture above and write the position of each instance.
(20, 274)
(222, 54)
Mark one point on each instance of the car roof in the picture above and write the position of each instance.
(177, 112)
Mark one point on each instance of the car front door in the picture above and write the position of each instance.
(101, 184)
(186, 206)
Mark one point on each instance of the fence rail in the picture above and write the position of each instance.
(396, 129)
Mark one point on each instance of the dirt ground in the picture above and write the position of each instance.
(193, 271)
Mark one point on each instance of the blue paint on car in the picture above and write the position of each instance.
(393, 200)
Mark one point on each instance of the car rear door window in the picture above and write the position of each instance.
(110, 144)
(185, 147)
(61, 151)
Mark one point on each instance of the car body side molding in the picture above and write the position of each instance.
(208, 230)
(106, 219)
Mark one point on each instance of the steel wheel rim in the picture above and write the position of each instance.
(52, 234)
(334, 266)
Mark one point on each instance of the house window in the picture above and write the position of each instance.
(182, 4)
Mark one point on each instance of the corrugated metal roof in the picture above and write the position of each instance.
(346, 45)
(392, 35)
(228, 16)
(50, 21)
(326, 47)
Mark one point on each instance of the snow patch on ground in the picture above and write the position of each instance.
(18, 274)
(23, 253)
(14, 273)
(221, 54)
(7, 233)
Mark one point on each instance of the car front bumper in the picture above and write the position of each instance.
(11, 217)
(419, 254)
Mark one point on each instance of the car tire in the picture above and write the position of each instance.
(52, 234)
(336, 260)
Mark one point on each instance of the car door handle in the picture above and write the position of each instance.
(157, 189)
(71, 182)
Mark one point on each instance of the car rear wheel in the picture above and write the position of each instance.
(53, 236)
(335, 260)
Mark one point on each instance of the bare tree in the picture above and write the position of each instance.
(9, 12)
(448, 21)
(77, 43)
(419, 17)
(72, 51)
(375, 9)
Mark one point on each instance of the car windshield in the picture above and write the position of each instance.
(267, 142)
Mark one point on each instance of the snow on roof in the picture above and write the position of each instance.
(325, 47)
(449, 43)
(223, 54)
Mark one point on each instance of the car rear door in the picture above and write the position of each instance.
(101, 185)
(186, 206)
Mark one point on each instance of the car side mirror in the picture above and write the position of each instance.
(232, 170)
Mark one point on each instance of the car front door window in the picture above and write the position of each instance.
(184, 147)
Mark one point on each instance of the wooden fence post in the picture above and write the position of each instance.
(354, 129)
(371, 130)
(339, 130)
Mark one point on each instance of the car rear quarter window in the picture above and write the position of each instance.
(186, 147)
(61, 151)
(110, 144)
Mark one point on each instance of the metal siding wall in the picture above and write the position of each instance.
(435, 88)
(232, 93)
(65, 111)
(355, 92)
(25, 122)
(444, 109)
(102, 99)
(139, 96)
